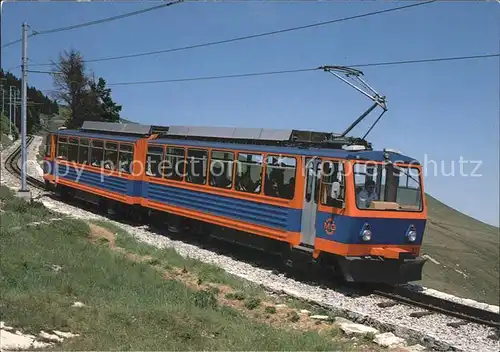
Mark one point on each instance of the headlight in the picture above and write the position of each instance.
(366, 235)
(412, 236)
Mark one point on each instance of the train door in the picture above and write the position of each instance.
(311, 195)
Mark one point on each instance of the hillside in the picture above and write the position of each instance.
(467, 251)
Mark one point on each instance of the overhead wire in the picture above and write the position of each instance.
(269, 73)
(91, 23)
(258, 35)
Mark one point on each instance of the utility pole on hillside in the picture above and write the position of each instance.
(14, 109)
(10, 111)
(23, 191)
(3, 99)
(2, 85)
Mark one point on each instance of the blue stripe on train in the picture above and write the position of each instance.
(239, 209)
(384, 230)
(98, 180)
(257, 213)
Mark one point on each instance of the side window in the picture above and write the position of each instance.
(310, 175)
(249, 173)
(333, 171)
(73, 149)
(62, 147)
(96, 152)
(83, 151)
(48, 145)
(221, 169)
(125, 157)
(174, 163)
(280, 176)
(196, 167)
(110, 155)
(153, 160)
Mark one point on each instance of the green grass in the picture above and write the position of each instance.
(129, 305)
(169, 258)
(454, 238)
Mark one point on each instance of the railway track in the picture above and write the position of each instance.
(434, 304)
(395, 294)
(11, 164)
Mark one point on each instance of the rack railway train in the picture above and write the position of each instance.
(307, 196)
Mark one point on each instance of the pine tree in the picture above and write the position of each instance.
(87, 99)
(108, 110)
(72, 86)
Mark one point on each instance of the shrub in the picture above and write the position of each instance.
(270, 310)
(205, 299)
(239, 296)
(293, 316)
(252, 303)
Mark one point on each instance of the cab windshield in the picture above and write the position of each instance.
(387, 187)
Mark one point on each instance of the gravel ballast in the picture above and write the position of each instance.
(430, 330)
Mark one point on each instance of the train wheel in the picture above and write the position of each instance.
(135, 214)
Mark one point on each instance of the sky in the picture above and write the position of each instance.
(444, 114)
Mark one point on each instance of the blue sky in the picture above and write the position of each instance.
(437, 111)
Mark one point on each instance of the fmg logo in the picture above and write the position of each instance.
(329, 226)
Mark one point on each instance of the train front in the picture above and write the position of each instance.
(386, 217)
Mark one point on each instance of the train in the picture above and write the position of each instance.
(307, 196)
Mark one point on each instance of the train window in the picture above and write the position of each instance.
(196, 166)
(83, 151)
(332, 171)
(280, 176)
(309, 167)
(249, 173)
(73, 149)
(110, 155)
(96, 152)
(125, 157)
(62, 147)
(48, 145)
(174, 163)
(153, 160)
(408, 190)
(221, 169)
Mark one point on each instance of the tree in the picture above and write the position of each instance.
(38, 102)
(71, 85)
(87, 99)
(108, 110)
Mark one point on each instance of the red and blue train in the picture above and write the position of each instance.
(306, 195)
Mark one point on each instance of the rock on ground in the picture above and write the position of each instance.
(350, 328)
(10, 341)
(50, 337)
(388, 339)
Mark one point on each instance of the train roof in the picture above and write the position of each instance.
(262, 136)
(284, 141)
(114, 137)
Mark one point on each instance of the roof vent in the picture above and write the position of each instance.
(390, 150)
(354, 147)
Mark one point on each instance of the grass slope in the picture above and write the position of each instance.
(130, 304)
(467, 251)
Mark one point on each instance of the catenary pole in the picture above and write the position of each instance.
(10, 110)
(24, 78)
(14, 108)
